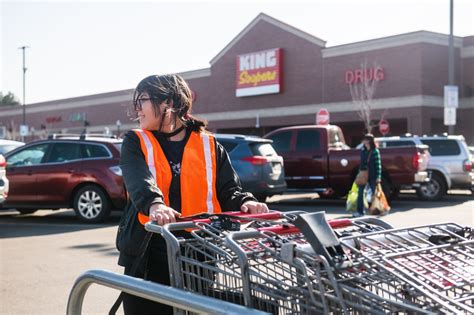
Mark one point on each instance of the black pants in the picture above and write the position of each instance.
(157, 271)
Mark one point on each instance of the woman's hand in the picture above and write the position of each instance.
(254, 207)
(162, 214)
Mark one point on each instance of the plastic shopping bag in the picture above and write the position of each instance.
(379, 203)
(351, 202)
(368, 193)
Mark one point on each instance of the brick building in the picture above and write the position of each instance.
(272, 75)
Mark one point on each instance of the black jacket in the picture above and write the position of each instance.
(143, 191)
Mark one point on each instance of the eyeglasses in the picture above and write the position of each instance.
(138, 103)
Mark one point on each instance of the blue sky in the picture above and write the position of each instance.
(85, 47)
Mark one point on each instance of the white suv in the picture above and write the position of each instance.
(450, 164)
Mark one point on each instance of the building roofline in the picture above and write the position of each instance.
(391, 41)
(194, 74)
(264, 17)
(114, 96)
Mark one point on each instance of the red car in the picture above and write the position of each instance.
(79, 172)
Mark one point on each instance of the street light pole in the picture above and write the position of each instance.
(23, 48)
(451, 55)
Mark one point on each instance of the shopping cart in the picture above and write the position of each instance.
(207, 264)
(422, 270)
(434, 264)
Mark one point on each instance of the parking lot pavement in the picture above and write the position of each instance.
(43, 253)
(41, 256)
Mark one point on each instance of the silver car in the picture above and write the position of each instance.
(450, 164)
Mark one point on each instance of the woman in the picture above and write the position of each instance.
(171, 167)
(369, 160)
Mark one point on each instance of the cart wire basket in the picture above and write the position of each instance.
(429, 266)
(207, 263)
(421, 270)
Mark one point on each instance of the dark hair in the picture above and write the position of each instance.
(172, 89)
(370, 137)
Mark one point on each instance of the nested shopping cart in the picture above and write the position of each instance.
(415, 270)
(208, 263)
(430, 267)
(300, 263)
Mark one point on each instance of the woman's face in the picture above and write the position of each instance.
(147, 118)
(366, 143)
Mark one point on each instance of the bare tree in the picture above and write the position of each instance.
(363, 92)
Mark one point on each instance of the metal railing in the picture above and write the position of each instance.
(151, 291)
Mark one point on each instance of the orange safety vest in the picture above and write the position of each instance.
(198, 172)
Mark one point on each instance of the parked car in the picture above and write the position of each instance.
(4, 183)
(256, 162)
(79, 172)
(450, 164)
(318, 159)
(9, 145)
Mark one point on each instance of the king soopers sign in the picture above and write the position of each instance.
(259, 73)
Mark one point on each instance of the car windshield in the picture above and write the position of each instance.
(8, 147)
(29, 156)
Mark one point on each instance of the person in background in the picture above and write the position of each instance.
(369, 160)
(172, 167)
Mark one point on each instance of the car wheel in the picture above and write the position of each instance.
(27, 211)
(433, 190)
(91, 204)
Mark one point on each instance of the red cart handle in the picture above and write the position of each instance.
(339, 223)
(291, 229)
(272, 215)
(242, 216)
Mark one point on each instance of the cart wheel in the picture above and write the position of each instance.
(91, 204)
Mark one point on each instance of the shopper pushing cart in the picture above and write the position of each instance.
(171, 167)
